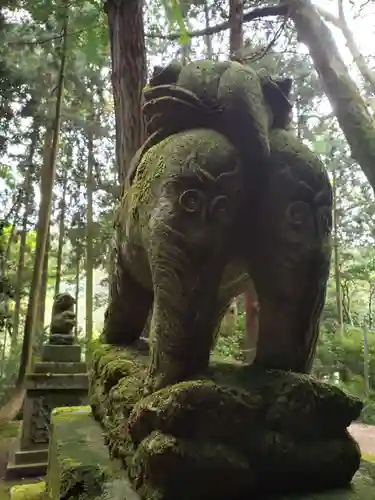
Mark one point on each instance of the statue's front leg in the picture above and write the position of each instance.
(290, 247)
(186, 314)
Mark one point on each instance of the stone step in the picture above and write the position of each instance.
(57, 381)
(15, 472)
(67, 353)
(23, 457)
(60, 367)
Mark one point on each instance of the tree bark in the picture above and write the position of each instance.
(207, 37)
(44, 216)
(341, 23)
(25, 219)
(89, 237)
(349, 107)
(336, 256)
(126, 34)
(235, 28)
(61, 233)
(14, 404)
(43, 291)
(78, 263)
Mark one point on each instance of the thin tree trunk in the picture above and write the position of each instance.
(14, 404)
(25, 219)
(336, 255)
(78, 263)
(366, 365)
(11, 235)
(44, 216)
(235, 28)
(207, 37)
(61, 233)
(43, 290)
(349, 107)
(89, 238)
(128, 55)
(358, 58)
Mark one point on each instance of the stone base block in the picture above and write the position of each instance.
(21, 471)
(57, 381)
(61, 339)
(24, 457)
(79, 464)
(64, 353)
(59, 367)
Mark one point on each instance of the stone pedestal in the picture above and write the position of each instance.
(59, 379)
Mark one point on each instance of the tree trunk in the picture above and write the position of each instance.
(43, 290)
(12, 407)
(349, 107)
(89, 237)
(11, 238)
(358, 58)
(61, 233)
(235, 28)
(251, 323)
(25, 218)
(78, 263)
(126, 34)
(207, 37)
(336, 256)
(366, 363)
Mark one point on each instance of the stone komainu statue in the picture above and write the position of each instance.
(220, 193)
(62, 319)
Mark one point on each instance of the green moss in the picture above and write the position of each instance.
(33, 491)
(10, 430)
(70, 411)
(79, 465)
(185, 470)
(274, 422)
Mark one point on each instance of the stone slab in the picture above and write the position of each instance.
(22, 471)
(67, 353)
(77, 452)
(57, 381)
(22, 457)
(60, 367)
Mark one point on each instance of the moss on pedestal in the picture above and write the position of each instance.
(33, 491)
(225, 435)
(79, 465)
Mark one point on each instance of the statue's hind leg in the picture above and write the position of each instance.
(290, 263)
(128, 309)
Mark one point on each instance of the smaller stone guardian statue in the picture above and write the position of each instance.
(63, 319)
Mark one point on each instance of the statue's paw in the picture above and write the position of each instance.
(278, 422)
(188, 409)
(167, 467)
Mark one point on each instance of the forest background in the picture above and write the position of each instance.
(58, 147)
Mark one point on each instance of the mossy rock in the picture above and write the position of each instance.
(32, 491)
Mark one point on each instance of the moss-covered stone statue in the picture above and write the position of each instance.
(220, 193)
(63, 320)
